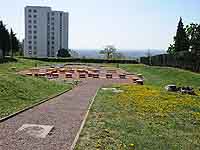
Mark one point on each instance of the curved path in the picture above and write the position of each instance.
(65, 113)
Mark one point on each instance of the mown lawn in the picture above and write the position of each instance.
(161, 76)
(145, 117)
(17, 91)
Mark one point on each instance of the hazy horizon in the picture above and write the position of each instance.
(130, 49)
(128, 24)
(132, 53)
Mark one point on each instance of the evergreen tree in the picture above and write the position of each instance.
(14, 43)
(181, 39)
(4, 39)
(8, 41)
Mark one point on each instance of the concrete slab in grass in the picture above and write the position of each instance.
(35, 130)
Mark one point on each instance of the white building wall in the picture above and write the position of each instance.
(50, 34)
(65, 33)
(58, 32)
(56, 38)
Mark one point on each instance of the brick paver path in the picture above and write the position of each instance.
(65, 113)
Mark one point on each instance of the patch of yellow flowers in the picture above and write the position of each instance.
(149, 99)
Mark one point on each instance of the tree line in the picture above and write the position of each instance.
(186, 40)
(9, 44)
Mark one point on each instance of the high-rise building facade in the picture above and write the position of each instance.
(46, 31)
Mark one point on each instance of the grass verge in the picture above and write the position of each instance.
(18, 92)
(145, 117)
(161, 76)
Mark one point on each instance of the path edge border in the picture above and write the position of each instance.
(84, 121)
(34, 105)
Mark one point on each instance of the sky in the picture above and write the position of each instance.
(126, 24)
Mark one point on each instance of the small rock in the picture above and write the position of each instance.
(171, 88)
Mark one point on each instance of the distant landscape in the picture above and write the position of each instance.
(131, 54)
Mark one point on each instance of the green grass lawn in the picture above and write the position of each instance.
(161, 76)
(145, 117)
(18, 92)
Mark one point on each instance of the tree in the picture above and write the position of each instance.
(73, 53)
(63, 53)
(181, 39)
(196, 42)
(14, 43)
(8, 41)
(108, 51)
(171, 49)
(4, 39)
(193, 33)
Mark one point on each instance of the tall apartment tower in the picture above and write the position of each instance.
(46, 31)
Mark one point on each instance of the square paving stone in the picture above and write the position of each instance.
(35, 130)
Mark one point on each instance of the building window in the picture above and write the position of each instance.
(52, 23)
(29, 37)
(35, 27)
(30, 52)
(35, 53)
(52, 13)
(35, 48)
(34, 32)
(29, 42)
(52, 18)
(30, 47)
(35, 42)
(34, 10)
(52, 47)
(30, 10)
(35, 37)
(29, 26)
(30, 21)
(52, 42)
(29, 31)
(29, 16)
(52, 28)
(52, 37)
(35, 21)
(35, 16)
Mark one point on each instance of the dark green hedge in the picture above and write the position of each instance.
(7, 59)
(186, 61)
(87, 60)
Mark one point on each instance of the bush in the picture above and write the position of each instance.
(80, 60)
(63, 53)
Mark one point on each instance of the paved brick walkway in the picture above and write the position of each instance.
(65, 113)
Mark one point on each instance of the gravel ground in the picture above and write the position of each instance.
(65, 113)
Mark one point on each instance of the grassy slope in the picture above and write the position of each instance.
(17, 91)
(161, 76)
(145, 117)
